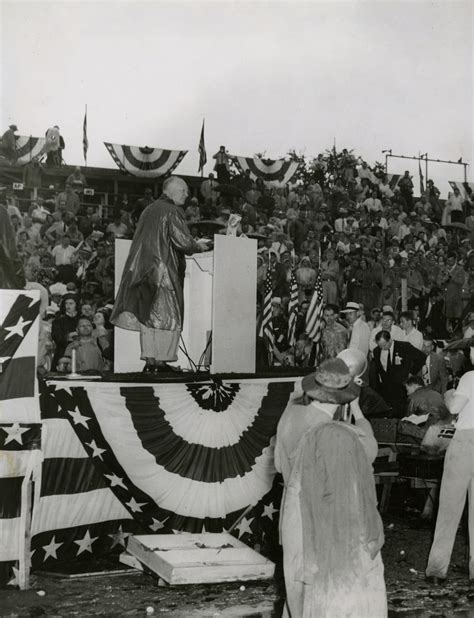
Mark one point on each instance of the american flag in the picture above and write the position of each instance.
(202, 151)
(422, 181)
(20, 428)
(315, 311)
(85, 141)
(292, 310)
(266, 328)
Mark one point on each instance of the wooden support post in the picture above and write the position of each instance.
(25, 533)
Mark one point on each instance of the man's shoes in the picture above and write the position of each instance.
(435, 581)
(148, 368)
(164, 368)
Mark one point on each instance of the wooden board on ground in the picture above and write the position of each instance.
(199, 558)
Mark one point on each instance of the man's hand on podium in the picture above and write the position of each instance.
(205, 244)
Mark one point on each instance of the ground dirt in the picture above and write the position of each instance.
(404, 554)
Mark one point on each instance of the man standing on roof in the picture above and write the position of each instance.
(150, 297)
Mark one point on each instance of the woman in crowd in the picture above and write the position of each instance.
(103, 334)
(305, 278)
(64, 325)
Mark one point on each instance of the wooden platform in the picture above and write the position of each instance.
(199, 558)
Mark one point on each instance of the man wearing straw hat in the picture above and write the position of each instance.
(325, 390)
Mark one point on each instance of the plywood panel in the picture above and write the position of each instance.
(234, 305)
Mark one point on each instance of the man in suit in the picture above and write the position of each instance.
(434, 372)
(432, 317)
(393, 362)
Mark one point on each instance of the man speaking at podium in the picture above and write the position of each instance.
(150, 297)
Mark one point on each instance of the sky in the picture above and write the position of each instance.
(266, 76)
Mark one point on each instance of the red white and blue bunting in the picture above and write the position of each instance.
(125, 458)
(28, 148)
(266, 169)
(144, 161)
(20, 427)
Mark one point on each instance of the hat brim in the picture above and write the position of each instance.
(324, 394)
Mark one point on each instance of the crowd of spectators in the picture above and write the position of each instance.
(365, 235)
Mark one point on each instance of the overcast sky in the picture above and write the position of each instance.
(267, 77)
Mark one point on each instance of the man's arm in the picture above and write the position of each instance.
(443, 373)
(366, 433)
(416, 357)
(180, 236)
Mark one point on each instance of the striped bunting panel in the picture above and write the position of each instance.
(28, 147)
(20, 428)
(124, 458)
(465, 188)
(266, 169)
(144, 161)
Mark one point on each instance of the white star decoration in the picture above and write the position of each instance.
(96, 451)
(14, 433)
(135, 506)
(51, 549)
(14, 580)
(115, 480)
(17, 329)
(119, 537)
(244, 526)
(268, 511)
(78, 418)
(157, 524)
(85, 544)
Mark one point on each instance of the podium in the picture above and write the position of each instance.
(219, 325)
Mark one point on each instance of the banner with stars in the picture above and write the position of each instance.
(126, 458)
(20, 426)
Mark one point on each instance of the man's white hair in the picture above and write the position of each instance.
(172, 183)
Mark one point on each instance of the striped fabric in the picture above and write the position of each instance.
(20, 428)
(292, 310)
(202, 151)
(123, 458)
(28, 147)
(313, 326)
(144, 161)
(266, 169)
(266, 328)
(85, 140)
(466, 189)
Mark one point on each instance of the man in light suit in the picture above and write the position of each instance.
(434, 372)
(393, 362)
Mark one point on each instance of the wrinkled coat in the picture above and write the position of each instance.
(151, 290)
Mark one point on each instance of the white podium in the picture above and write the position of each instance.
(219, 298)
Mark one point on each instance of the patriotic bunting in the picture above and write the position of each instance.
(28, 147)
(20, 428)
(144, 161)
(266, 169)
(123, 458)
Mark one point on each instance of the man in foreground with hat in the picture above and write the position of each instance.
(318, 521)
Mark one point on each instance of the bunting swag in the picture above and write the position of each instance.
(267, 169)
(27, 148)
(144, 161)
(20, 429)
(465, 188)
(124, 458)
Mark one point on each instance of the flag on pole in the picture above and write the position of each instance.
(292, 310)
(85, 141)
(313, 325)
(422, 183)
(202, 151)
(266, 328)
